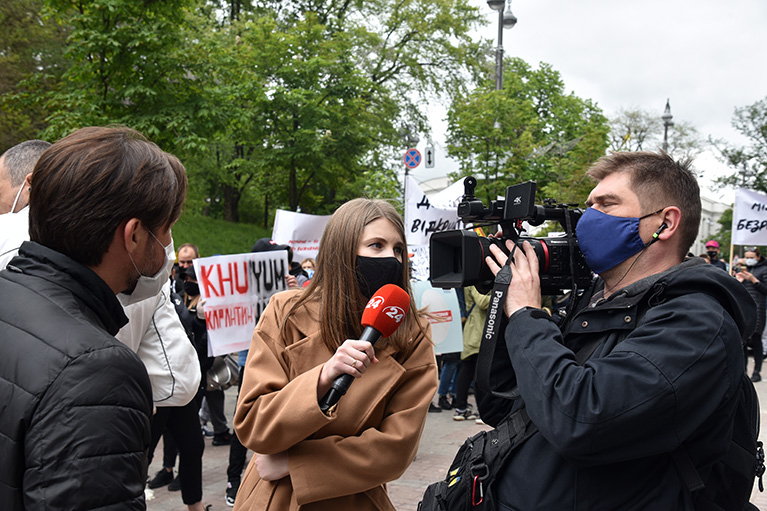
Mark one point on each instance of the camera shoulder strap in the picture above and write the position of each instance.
(495, 324)
(493, 358)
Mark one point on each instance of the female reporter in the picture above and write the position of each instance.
(303, 341)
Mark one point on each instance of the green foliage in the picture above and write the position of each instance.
(530, 130)
(215, 236)
(724, 235)
(750, 160)
(31, 61)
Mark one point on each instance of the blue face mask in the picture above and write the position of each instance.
(607, 240)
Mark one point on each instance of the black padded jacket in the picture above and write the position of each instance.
(665, 373)
(76, 403)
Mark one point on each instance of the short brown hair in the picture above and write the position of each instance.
(335, 283)
(88, 183)
(659, 181)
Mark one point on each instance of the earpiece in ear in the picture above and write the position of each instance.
(660, 230)
(656, 234)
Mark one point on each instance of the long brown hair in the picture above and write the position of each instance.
(335, 283)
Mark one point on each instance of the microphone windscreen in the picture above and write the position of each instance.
(387, 309)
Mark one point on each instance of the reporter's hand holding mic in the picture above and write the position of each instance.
(353, 358)
(383, 314)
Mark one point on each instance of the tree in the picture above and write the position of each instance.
(126, 64)
(750, 159)
(314, 90)
(31, 61)
(541, 133)
(640, 130)
(278, 104)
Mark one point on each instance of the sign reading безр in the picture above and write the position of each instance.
(749, 218)
(236, 289)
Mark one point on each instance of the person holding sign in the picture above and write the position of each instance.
(303, 341)
(754, 278)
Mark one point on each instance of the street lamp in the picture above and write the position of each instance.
(505, 20)
(666, 124)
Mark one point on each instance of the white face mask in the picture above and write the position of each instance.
(751, 262)
(148, 287)
(16, 200)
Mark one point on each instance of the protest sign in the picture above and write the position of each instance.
(423, 218)
(446, 331)
(299, 230)
(749, 218)
(236, 289)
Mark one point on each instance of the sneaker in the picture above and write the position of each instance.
(434, 409)
(231, 492)
(206, 431)
(162, 478)
(756, 377)
(444, 403)
(479, 421)
(222, 438)
(464, 415)
(175, 485)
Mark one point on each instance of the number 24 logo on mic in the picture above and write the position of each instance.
(394, 312)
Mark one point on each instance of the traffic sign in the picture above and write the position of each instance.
(412, 158)
(429, 154)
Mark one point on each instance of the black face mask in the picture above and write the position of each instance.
(374, 272)
(191, 288)
(713, 254)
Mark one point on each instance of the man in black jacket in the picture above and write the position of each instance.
(76, 402)
(665, 367)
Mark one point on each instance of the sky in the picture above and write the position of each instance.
(706, 57)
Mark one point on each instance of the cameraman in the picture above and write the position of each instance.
(666, 335)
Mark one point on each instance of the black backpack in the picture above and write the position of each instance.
(468, 485)
(469, 481)
(728, 486)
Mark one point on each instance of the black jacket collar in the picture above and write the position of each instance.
(40, 261)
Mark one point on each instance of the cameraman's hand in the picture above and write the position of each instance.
(525, 287)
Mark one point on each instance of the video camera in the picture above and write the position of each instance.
(457, 258)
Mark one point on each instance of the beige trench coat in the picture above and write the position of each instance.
(340, 462)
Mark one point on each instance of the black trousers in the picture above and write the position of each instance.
(466, 373)
(237, 451)
(183, 424)
(755, 341)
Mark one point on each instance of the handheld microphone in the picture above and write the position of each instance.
(383, 314)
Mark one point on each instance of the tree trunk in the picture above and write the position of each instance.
(266, 211)
(231, 203)
(293, 187)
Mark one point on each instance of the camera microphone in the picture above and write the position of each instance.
(383, 314)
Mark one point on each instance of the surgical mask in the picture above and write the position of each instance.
(148, 287)
(607, 240)
(16, 200)
(309, 272)
(750, 262)
(374, 272)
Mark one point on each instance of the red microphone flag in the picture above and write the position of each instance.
(386, 310)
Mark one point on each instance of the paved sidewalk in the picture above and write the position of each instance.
(441, 439)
